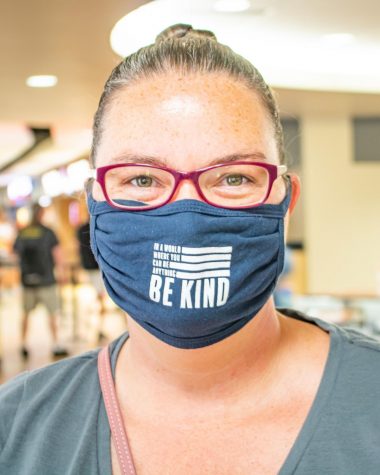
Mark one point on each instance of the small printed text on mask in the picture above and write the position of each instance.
(201, 275)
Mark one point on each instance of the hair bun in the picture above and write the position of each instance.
(181, 30)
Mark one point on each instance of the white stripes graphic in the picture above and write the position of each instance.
(202, 266)
(203, 262)
(206, 258)
(192, 263)
(206, 250)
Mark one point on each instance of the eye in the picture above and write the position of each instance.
(235, 180)
(142, 181)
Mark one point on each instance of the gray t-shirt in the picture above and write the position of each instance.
(53, 420)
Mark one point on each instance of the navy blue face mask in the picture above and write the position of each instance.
(189, 273)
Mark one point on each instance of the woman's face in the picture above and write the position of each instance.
(186, 123)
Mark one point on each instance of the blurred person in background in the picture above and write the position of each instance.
(91, 267)
(39, 254)
(189, 208)
(7, 235)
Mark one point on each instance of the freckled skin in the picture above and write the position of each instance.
(188, 121)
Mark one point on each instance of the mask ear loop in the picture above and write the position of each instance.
(88, 185)
(281, 255)
(288, 185)
(88, 188)
(288, 181)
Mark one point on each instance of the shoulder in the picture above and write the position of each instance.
(75, 365)
(50, 236)
(352, 409)
(361, 356)
(23, 233)
(33, 397)
(355, 357)
(354, 338)
(359, 350)
(47, 231)
(42, 381)
(84, 228)
(10, 396)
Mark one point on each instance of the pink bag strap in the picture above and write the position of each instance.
(115, 419)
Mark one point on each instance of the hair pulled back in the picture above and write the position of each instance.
(184, 49)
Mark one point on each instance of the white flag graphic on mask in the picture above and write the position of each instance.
(204, 273)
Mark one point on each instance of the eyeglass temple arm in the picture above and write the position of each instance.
(281, 170)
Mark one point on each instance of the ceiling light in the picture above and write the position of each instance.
(20, 187)
(232, 5)
(41, 81)
(45, 201)
(52, 183)
(77, 174)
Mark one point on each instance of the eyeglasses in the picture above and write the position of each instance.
(139, 187)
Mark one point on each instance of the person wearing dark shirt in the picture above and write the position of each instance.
(38, 248)
(91, 267)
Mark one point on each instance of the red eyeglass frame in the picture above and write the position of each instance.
(274, 171)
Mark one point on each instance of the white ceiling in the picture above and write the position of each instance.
(294, 44)
(71, 40)
(67, 38)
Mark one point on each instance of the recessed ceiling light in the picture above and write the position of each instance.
(232, 5)
(42, 81)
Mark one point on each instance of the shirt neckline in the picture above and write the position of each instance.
(308, 428)
(322, 395)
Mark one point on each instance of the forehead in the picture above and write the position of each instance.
(186, 120)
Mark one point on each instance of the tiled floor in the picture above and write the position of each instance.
(77, 338)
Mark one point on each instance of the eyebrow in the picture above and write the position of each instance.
(150, 160)
(235, 157)
(136, 158)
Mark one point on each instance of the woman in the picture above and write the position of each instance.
(188, 212)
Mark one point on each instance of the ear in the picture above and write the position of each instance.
(296, 191)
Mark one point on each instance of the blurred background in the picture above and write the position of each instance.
(323, 61)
